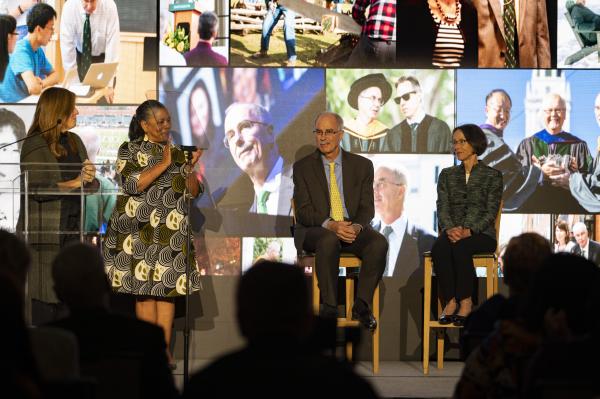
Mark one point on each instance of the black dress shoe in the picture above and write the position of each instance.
(362, 313)
(445, 320)
(459, 321)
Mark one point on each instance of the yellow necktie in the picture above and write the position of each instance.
(337, 209)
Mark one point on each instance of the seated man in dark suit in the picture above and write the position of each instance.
(280, 358)
(333, 195)
(584, 19)
(585, 247)
(123, 354)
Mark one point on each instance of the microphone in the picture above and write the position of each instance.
(188, 149)
(58, 122)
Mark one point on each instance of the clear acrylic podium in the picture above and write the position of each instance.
(48, 216)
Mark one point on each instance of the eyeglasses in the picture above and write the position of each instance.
(326, 133)
(459, 142)
(243, 125)
(380, 183)
(557, 111)
(405, 97)
(14, 33)
(373, 99)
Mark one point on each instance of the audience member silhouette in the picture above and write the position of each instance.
(522, 258)
(55, 351)
(557, 306)
(127, 357)
(279, 360)
(570, 340)
(15, 257)
(19, 376)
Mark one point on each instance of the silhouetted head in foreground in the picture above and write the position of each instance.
(273, 301)
(79, 277)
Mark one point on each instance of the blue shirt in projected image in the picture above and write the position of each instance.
(23, 59)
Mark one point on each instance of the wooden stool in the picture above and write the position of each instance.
(490, 262)
(347, 261)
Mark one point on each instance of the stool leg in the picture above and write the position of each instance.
(349, 304)
(489, 278)
(316, 292)
(440, 347)
(426, 312)
(376, 332)
(495, 277)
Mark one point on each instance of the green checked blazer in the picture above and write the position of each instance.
(471, 205)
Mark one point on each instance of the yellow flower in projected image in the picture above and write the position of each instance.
(177, 40)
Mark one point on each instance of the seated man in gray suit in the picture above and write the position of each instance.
(407, 242)
(419, 132)
(333, 194)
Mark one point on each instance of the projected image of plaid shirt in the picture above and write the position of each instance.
(377, 41)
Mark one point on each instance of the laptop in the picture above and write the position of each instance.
(97, 77)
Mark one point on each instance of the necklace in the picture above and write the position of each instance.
(448, 18)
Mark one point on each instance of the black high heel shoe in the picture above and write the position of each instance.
(458, 320)
(446, 319)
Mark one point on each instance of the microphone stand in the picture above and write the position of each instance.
(58, 122)
(186, 328)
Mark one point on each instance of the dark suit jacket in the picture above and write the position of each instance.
(311, 192)
(594, 254)
(416, 33)
(474, 204)
(107, 341)
(433, 136)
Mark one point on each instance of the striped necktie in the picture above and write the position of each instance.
(337, 209)
(510, 30)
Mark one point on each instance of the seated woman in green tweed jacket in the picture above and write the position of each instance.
(469, 197)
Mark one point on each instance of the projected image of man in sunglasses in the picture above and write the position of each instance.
(418, 132)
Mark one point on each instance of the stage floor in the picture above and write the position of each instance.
(395, 379)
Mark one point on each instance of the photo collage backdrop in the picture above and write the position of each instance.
(404, 126)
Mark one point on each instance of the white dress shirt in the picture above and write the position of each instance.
(395, 241)
(104, 25)
(6, 6)
(271, 185)
(585, 250)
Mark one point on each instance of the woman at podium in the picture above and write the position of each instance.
(54, 165)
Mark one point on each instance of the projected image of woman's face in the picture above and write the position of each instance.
(199, 112)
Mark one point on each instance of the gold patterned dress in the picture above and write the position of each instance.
(145, 246)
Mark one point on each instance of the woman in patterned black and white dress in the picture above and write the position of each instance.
(145, 246)
(436, 33)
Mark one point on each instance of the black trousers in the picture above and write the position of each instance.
(453, 263)
(370, 246)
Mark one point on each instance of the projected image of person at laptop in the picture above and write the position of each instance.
(99, 76)
(29, 71)
(89, 33)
